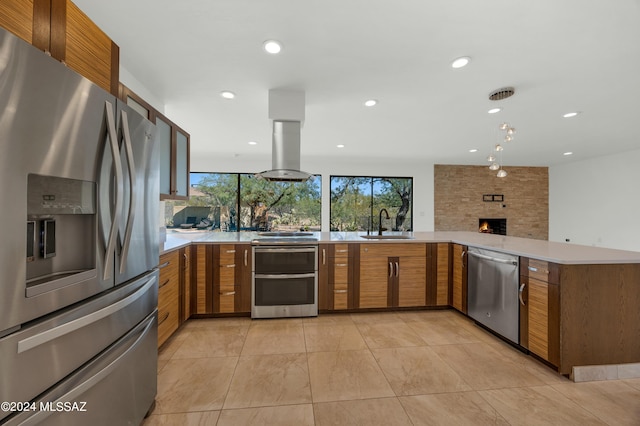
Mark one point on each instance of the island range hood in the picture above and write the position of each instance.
(286, 109)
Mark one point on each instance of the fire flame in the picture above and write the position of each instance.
(484, 227)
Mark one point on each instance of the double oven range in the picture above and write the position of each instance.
(284, 275)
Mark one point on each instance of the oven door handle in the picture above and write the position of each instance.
(286, 250)
(271, 276)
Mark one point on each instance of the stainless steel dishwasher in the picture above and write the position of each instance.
(493, 291)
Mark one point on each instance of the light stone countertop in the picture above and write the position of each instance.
(562, 253)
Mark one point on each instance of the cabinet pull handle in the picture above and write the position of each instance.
(340, 291)
(230, 251)
(166, 315)
(390, 269)
(342, 264)
(185, 256)
(397, 269)
(246, 257)
(233, 265)
(534, 269)
(342, 251)
(324, 256)
(227, 293)
(163, 284)
(462, 257)
(164, 265)
(520, 294)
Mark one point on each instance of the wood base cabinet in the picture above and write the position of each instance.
(438, 274)
(335, 276)
(168, 296)
(539, 309)
(232, 282)
(392, 275)
(459, 277)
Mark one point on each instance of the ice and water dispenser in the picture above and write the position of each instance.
(61, 231)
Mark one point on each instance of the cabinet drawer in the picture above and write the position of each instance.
(227, 297)
(227, 274)
(340, 298)
(395, 249)
(227, 254)
(168, 322)
(538, 269)
(341, 250)
(341, 272)
(169, 267)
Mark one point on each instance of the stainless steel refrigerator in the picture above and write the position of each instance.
(78, 260)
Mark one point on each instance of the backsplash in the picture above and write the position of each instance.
(459, 192)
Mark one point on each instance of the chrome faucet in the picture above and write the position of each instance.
(380, 228)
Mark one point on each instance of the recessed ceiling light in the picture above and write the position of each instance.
(570, 114)
(371, 102)
(494, 110)
(272, 46)
(567, 153)
(253, 143)
(340, 146)
(227, 94)
(461, 62)
(473, 150)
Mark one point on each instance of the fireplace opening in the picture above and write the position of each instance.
(492, 226)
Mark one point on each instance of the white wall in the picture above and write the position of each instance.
(422, 178)
(597, 202)
(140, 89)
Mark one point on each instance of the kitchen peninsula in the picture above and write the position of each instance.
(579, 304)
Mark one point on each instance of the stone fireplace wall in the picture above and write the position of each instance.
(458, 199)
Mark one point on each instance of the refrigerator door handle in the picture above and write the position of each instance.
(117, 167)
(76, 324)
(124, 123)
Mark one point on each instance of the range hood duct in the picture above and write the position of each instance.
(286, 109)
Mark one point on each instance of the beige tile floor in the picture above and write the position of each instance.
(407, 368)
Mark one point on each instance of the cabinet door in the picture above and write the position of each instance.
(538, 317)
(323, 277)
(163, 139)
(17, 16)
(185, 285)
(83, 47)
(182, 164)
(459, 278)
(375, 272)
(411, 276)
(203, 276)
(243, 279)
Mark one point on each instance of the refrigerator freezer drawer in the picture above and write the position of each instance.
(116, 388)
(37, 357)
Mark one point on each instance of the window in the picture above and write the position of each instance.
(356, 203)
(240, 202)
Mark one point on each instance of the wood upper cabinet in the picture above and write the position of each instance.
(17, 17)
(174, 145)
(60, 28)
(335, 288)
(459, 277)
(168, 296)
(392, 275)
(540, 309)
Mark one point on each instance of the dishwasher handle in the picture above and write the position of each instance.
(520, 294)
(493, 259)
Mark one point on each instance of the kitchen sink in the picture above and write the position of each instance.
(387, 237)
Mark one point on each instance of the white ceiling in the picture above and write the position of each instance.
(560, 56)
